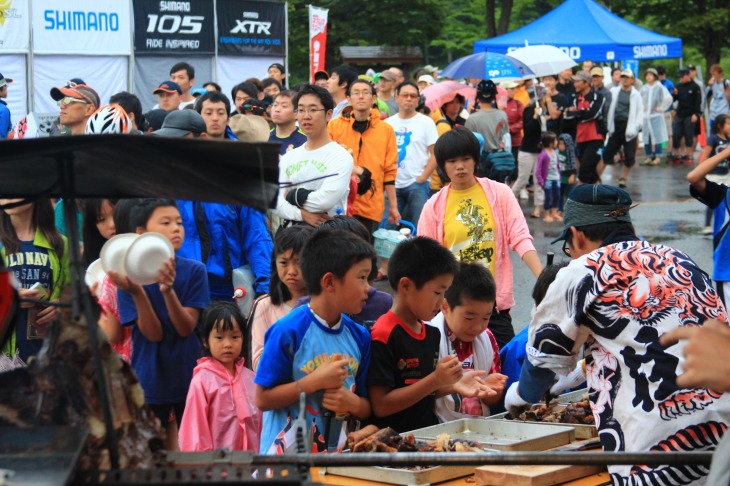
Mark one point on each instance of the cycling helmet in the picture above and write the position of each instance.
(108, 119)
(486, 89)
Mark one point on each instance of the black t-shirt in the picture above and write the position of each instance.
(561, 103)
(532, 131)
(401, 358)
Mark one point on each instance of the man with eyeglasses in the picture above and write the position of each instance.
(77, 102)
(315, 177)
(373, 147)
(612, 304)
(285, 129)
(415, 136)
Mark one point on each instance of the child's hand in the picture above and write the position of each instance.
(330, 375)
(472, 384)
(496, 381)
(47, 315)
(571, 179)
(32, 294)
(448, 371)
(167, 275)
(123, 283)
(339, 400)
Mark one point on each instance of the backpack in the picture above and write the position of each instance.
(497, 166)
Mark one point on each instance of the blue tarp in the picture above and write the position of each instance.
(586, 30)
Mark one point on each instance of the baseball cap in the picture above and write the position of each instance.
(79, 91)
(155, 118)
(627, 73)
(652, 71)
(198, 91)
(321, 75)
(582, 76)
(250, 128)
(683, 72)
(387, 76)
(508, 84)
(590, 204)
(428, 69)
(74, 81)
(426, 78)
(4, 81)
(597, 71)
(181, 122)
(691, 67)
(168, 87)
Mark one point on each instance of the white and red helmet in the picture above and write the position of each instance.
(108, 119)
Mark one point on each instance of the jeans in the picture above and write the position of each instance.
(552, 195)
(652, 151)
(411, 200)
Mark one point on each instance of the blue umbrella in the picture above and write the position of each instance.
(487, 65)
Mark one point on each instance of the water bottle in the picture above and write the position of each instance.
(244, 292)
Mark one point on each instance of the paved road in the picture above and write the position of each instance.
(665, 214)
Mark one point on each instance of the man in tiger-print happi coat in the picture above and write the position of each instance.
(613, 302)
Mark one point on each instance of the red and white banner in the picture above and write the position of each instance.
(317, 40)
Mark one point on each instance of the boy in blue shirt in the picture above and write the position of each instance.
(406, 374)
(164, 314)
(317, 350)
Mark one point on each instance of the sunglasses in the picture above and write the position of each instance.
(254, 109)
(67, 100)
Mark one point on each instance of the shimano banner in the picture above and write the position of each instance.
(163, 27)
(101, 27)
(251, 28)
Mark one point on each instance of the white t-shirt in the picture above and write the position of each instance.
(413, 136)
(329, 193)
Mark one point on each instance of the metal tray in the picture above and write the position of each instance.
(503, 435)
(404, 477)
(581, 431)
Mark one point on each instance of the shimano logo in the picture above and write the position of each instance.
(78, 20)
(174, 6)
(251, 27)
(656, 50)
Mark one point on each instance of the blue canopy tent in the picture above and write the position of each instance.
(586, 30)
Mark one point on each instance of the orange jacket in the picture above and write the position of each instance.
(374, 149)
(442, 126)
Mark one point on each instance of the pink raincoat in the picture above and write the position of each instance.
(220, 411)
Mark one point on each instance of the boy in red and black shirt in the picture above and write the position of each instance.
(587, 109)
(405, 373)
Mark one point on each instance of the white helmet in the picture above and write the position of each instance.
(108, 119)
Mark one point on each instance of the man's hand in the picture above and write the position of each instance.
(421, 179)
(167, 275)
(571, 380)
(394, 215)
(694, 118)
(705, 364)
(314, 219)
(513, 402)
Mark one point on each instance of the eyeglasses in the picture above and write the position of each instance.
(409, 95)
(566, 248)
(357, 94)
(67, 100)
(308, 112)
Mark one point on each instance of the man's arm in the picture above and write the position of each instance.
(333, 188)
(430, 167)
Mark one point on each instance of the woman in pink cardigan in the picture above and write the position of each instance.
(479, 220)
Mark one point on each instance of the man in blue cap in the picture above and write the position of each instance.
(5, 123)
(612, 304)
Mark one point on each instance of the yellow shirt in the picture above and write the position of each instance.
(469, 227)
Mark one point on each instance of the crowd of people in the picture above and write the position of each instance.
(359, 153)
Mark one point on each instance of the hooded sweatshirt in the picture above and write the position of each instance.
(220, 410)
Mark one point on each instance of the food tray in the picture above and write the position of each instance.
(574, 396)
(404, 477)
(581, 431)
(502, 435)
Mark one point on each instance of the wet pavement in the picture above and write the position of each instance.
(665, 214)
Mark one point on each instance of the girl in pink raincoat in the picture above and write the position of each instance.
(220, 411)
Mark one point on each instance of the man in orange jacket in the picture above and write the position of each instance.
(373, 147)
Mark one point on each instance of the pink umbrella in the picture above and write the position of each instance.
(445, 91)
